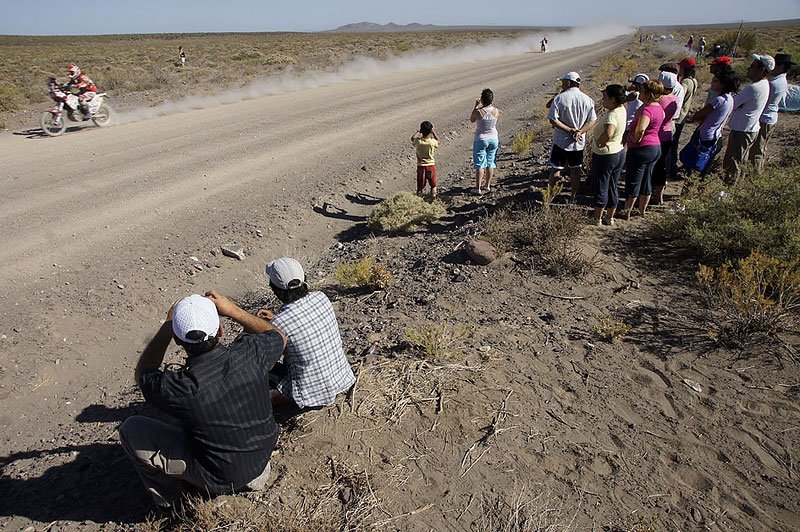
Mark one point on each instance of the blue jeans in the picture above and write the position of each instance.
(483, 153)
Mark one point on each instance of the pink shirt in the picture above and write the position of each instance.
(656, 115)
(670, 105)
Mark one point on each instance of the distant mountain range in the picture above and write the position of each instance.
(372, 27)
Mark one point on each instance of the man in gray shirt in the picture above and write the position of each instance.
(572, 114)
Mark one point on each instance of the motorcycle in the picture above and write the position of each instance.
(54, 120)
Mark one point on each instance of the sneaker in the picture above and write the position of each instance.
(608, 221)
(598, 223)
(477, 192)
(434, 192)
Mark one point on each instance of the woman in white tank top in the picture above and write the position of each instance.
(486, 142)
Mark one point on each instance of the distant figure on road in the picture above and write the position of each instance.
(181, 55)
(226, 430)
(484, 146)
(690, 44)
(701, 47)
(425, 142)
(314, 369)
(572, 114)
(544, 45)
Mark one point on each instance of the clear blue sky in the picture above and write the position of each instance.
(48, 17)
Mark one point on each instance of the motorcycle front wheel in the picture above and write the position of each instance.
(103, 116)
(50, 126)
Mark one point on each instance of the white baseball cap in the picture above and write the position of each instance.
(641, 79)
(195, 319)
(767, 60)
(571, 76)
(668, 79)
(286, 273)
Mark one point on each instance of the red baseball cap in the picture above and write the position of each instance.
(688, 62)
(722, 60)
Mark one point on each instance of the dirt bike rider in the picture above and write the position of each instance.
(87, 90)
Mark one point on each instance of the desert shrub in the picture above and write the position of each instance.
(609, 328)
(758, 295)
(522, 141)
(748, 41)
(544, 234)
(403, 210)
(719, 222)
(364, 273)
(440, 341)
(245, 55)
(279, 58)
(11, 99)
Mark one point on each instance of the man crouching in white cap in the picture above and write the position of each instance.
(314, 369)
(227, 430)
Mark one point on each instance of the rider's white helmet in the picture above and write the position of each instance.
(74, 71)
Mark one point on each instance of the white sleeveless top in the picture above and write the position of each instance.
(486, 125)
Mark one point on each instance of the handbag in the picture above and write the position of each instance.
(697, 154)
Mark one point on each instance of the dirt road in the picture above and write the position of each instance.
(100, 226)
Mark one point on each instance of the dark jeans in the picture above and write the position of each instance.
(639, 170)
(672, 162)
(661, 168)
(604, 176)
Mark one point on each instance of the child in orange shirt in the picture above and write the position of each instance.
(425, 142)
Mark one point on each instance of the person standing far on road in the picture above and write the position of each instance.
(608, 155)
(744, 123)
(644, 148)
(425, 142)
(686, 75)
(690, 44)
(632, 101)
(227, 431)
(314, 369)
(701, 47)
(572, 114)
(181, 55)
(668, 102)
(778, 88)
(715, 67)
(484, 146)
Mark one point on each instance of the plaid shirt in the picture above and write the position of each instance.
(317, 367)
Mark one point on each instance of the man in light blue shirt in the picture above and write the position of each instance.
(778, 87)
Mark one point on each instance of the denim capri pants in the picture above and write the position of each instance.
(483, 152)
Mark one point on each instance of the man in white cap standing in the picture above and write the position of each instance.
(227, 431)
(744, 122)
(314, 369)
(778, 88)
(571, 114)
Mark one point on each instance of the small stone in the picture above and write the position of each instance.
(198, 266)
(234, 251)
(259, 233)
(339, 245)
(364, 168)
(697, 515)
(480, 252)
(693, 385)
(346, 495)
(121, 286)
(194, 259)
(485, 348)
(460, 278)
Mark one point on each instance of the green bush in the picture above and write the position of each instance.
(759, 213)
(403, 210)
(10, 98)
(521, 143)
(364, 273)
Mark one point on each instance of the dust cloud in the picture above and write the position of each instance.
(362, 68)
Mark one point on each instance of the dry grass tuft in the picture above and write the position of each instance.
(523, 141)
(364, 273)
(443, 341)
(610, 329)
(528, 510)
(402, 211)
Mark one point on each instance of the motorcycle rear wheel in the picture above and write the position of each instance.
(49, 125)
(103, 116)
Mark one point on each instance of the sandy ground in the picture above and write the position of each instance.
(99, 230)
